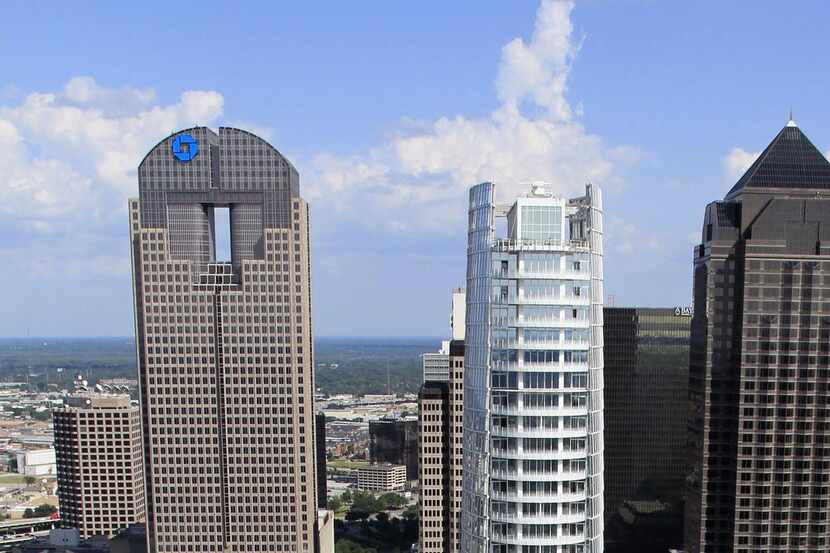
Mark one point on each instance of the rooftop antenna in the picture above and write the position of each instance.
(791, 121)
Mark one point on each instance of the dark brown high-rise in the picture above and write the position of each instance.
(224, 347)
(759, 427)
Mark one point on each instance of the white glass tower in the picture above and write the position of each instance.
(533, 375)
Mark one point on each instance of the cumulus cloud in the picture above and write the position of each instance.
(534, 134)
(68, 158)
(736, 163)
(626, 238)
(84, 91)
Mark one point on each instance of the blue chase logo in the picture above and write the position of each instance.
(185, 147)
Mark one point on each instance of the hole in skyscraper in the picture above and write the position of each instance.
(222, 233)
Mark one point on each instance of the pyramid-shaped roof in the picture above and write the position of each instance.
(790, 161)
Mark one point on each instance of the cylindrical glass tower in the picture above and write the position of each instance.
(533, 376)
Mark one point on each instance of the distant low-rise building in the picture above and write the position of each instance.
(65, 540)
(384, 477)
(36, 462)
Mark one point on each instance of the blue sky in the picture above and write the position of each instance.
(390, 110)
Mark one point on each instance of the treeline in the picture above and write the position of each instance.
(363, 504)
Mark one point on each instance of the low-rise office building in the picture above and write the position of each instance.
(384, 477)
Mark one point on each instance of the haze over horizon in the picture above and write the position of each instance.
(390, 113)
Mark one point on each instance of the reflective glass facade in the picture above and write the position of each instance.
(533, 376)
(646, 409)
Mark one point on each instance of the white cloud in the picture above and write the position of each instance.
(538, 70)
(626, 238)
(427, 168)
(736, 163)
(84, 91)
(68, 159)
(64, 152)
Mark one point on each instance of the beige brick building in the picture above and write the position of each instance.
(224, 346)
(99, 461)
(440, 457)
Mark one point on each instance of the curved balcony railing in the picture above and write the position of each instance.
(515, 497)
(546, 323)
(561, 476)
(536, 411)
(520, 518)
(538, 454)
(511, 245)
(555, 301)
(514, 539)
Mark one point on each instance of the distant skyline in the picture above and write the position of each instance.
(390, 112)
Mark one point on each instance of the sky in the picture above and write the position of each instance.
(390, 111)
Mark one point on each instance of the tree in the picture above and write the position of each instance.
(411, 513)
(391, 501)
(334, 503)
(354, 515)
(348, 546)
(365, 501)
(40, 511)
(45, 510)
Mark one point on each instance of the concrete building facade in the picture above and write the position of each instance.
(225, 350)
(36, 462)
(382, 477)
(436, 365)
(100, 463)
(440, 434)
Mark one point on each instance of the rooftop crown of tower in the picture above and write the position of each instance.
(789, 162)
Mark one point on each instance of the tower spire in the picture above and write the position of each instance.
(791, 121)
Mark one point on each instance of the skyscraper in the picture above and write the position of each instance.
(224, 346)
(436, 365)
(646, 352)
(395, 441)
(440, 442)
(99, 461)
(533, 375)
(760, 359)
